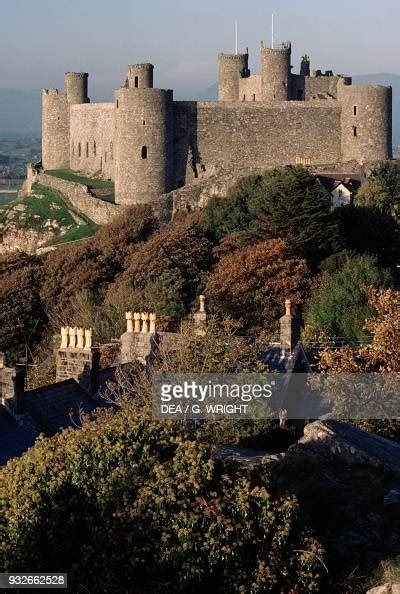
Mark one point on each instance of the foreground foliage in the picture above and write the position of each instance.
(127, 504)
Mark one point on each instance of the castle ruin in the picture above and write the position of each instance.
(149, 144)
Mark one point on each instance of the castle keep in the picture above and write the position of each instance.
(150, 144)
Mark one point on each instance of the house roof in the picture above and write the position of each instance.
(15, 436)
(332, 181)
(55, 406)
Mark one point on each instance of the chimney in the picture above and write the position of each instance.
(140, 337)
(78, 359)
(290, 325)
(200, 317)
(12, 386)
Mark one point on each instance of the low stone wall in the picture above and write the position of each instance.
(99, 211)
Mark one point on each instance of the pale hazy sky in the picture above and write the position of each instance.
(40, 39)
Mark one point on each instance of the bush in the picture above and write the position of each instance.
(339, 306)
(147, 497)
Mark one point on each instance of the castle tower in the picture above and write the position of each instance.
(55, 129)
(366, 122)
(231, 68)
(276, 73)
(76, 87)
(140, 76)
(143, 144)
(56, 119)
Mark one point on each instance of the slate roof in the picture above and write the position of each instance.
(15, 436)
(51, 407)
(332, 181)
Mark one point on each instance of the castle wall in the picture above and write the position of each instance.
(325, 85)
(99, 211)
(253, 136)
(250, 88)
(92, 139)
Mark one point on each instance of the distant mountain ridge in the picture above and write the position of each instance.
(20, 110)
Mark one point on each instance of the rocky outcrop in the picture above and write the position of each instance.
(331, 439)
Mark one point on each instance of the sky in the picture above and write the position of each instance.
(41, 39)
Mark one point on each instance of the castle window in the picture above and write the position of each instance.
(254, 96)
(117, 103)
(144, 122)
(73, 150)
(94, 148)
(244, 97)
(112, 151)
(144, 152)
(87, 149)
(79, 149)
(136, 82)
(105, 157)
(355, 110)
(354, 130)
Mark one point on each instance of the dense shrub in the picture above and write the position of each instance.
(131, 505)
(21, 314)
(252, 283)
(340, 305)
(288, 204)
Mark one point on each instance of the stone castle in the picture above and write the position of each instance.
(149, 144)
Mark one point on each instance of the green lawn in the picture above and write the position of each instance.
(80, 232)
(44, 203)
(72, 176)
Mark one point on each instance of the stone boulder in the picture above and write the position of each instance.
(348, 443)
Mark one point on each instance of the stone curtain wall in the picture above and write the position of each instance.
(92, 149)
(245, 136)
(98, 211)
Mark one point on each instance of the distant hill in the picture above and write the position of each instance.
(20, 112)
(211, 93)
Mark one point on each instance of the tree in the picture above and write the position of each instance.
(381, 355)
(340, 305)
(168, 271)
(288, 204)
(93, 264)
(21, 314)
(368, 230)
(252, 283)
(382, 189)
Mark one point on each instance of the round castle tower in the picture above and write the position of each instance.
(143, 144)
(276, 72)
(56, 120)
(76, 87)
(231, 68)
(140, 76)
(366, 122)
